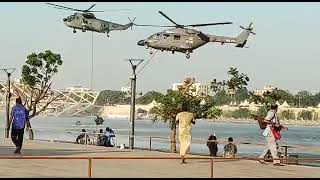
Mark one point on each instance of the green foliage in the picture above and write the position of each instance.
(241, 113)
(40, 68)
(213, 113)
(222, 98)
(99, 120)
(149, 97)
(237, 81)
(286, 115)
(305, 115)
(110, 97)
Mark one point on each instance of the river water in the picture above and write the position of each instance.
(248, 137)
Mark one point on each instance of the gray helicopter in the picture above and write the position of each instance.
(184, 40)
(86, 21)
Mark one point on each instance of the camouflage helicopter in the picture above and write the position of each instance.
(184, 40)
(86, 21)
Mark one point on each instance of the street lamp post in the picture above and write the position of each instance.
(9, 72)
(134, 64)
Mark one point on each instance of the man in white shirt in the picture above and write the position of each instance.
(271, 119)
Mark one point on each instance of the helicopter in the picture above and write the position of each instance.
(186, 40)
(85, 20)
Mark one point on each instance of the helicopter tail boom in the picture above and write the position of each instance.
(241, 40)
(130, 24)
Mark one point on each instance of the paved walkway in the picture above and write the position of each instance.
(129, 168)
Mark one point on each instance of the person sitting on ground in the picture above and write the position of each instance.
(100, 138)
(230, 149)
(212, 145)
(83, 137)
(109, 134)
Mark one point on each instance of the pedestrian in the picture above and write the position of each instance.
(19, 118)
(272, 123)
(83, 137)
(230, 149)
(212, 145)
(109, 135)
(100, 138)
(185, 119)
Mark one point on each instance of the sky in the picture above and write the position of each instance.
(284, 53)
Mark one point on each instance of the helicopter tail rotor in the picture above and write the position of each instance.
(131, 22)
(241, 40)
(249, 28)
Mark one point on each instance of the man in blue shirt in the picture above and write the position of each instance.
(19, 118)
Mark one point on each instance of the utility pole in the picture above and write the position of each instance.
(134, 64)
(9, 71)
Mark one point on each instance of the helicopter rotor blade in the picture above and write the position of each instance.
(169, 19)
(90, 7)
(148, 25)
(208, 24)
(112, 10)
(64, 7)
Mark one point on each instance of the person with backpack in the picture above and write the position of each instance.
(230, 149)
(272, 134)
(19, 118)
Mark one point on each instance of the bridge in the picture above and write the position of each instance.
(72, 101)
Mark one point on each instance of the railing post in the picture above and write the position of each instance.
(211, 162)
(89, 168)
(150, 143)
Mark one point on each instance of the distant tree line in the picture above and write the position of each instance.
(301, 99)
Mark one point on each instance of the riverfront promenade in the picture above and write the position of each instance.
(129, 168)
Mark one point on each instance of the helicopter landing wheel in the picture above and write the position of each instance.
(162, 50)
(172, 52)
(188, 56)
(83, 30)
(108, 35)
(74, 31)
(151, 52)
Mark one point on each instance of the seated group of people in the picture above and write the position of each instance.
(230, 149)
(102, 139)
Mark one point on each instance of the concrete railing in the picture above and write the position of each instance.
(211, 160)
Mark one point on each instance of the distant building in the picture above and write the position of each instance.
(126, 89)
(260, 92)
(196, 89)
(78, 88)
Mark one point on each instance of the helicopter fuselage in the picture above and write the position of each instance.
(177, 39)
(88, 22)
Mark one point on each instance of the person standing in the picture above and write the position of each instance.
(19, 118)
(184, 119)
(230, 149)
(212, 145)
(272, 120)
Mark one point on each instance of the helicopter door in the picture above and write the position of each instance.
(189, 41)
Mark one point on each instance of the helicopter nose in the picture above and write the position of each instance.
(64, 19)
(141, 43)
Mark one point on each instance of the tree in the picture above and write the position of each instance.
(110, 97)
(37, 76)
(171, 103)
(237, 81)
(99, 120)
(149, 97)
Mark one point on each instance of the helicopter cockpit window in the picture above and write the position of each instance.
(176, 37)
(71, 18)
(165, 36)
(88, 16)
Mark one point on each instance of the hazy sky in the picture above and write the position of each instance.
(284, 53)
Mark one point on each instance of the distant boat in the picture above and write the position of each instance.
(78, 123)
